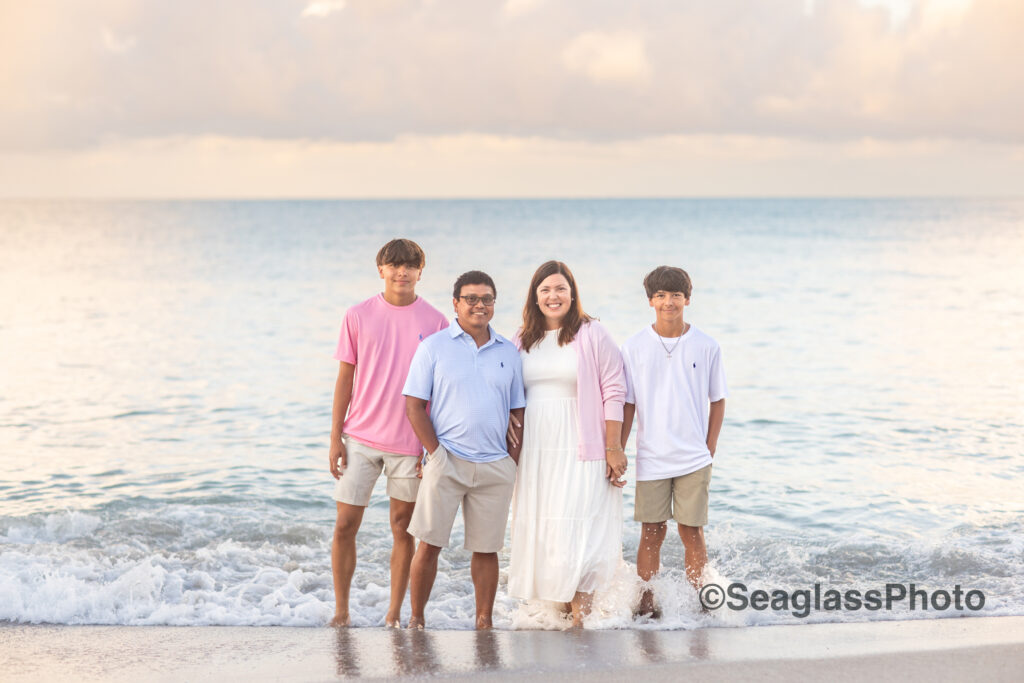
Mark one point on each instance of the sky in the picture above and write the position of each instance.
(511, 98)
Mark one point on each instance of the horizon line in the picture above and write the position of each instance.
(500, 198)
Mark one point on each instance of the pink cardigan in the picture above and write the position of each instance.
(600, 386)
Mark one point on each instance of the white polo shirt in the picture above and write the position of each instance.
(672, 397)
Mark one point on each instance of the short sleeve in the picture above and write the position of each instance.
(717, 389)
(348, 340)
(419, 383)
(518, 397)
(630, 397)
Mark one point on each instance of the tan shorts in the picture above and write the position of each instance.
(683, 498)
(483, 489)
(363, 467)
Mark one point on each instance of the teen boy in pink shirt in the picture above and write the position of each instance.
(369, 431)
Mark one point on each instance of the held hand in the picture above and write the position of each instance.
(338, 459)
(616, 459)
(612, 479)
(510, 434)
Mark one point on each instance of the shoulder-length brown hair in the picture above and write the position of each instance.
(534, 322)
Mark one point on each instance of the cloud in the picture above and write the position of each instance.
(518, 8)
(494, 166)
(323, 8)
(899, 10)
(609, 57)
(118, 44)
(571, 70)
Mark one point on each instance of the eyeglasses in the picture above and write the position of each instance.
(473, 299)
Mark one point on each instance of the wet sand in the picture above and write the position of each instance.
(980, 648)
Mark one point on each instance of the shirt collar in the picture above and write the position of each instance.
(455, 330)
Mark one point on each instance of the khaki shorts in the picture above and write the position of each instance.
(683, 498)
(363, 466)
(483, 489)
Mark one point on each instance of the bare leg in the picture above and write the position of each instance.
(648, 560)
(402, 549)
(581, 604)
(696, 552)
(421, 581)
(484, 570)
(343, 558)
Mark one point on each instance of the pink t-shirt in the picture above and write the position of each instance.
(380, 340)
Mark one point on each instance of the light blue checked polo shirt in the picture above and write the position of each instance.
(471, 390)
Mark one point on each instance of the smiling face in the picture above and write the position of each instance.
(399, 279)
(554, 297)
(473, 318)
(668, 307)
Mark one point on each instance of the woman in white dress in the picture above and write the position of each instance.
(567, 510)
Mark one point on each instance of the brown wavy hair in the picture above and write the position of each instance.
(534, 322)
(401, 252)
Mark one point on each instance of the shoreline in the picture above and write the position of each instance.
(988, 648)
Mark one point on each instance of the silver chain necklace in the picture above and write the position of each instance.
(661, 341)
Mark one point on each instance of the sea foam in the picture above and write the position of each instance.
(185, 565)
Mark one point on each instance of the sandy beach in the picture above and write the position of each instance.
(986, 648)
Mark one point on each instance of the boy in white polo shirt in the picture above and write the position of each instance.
(369, 431)
(676, 389)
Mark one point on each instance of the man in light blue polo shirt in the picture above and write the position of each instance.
(473, 379)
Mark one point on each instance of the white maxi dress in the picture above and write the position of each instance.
(566, 516)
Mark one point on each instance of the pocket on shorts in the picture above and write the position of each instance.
(512, 467)
(437, 456)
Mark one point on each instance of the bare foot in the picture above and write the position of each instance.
(416, 623)
(340, 621)
(647, 608)
(397, 623)
(483, 623)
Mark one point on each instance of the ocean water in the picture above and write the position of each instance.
(166, 382)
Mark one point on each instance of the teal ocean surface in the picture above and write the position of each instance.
(166, 382)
